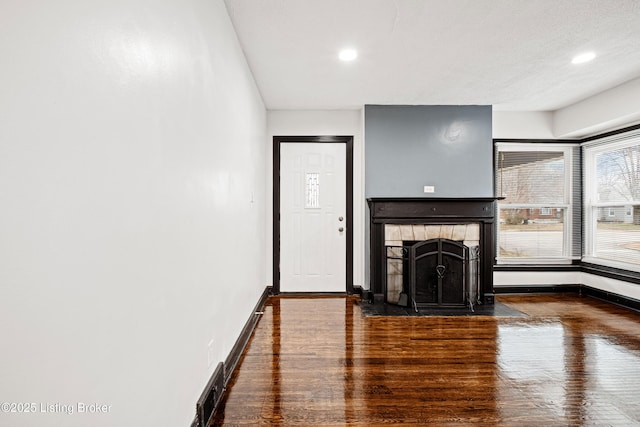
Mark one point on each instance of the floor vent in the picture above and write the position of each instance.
(210, 396)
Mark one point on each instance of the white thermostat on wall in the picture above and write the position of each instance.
(429, 189)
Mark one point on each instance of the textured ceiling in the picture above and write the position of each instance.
(513, 54)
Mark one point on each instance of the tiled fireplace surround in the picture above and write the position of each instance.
(397, 220)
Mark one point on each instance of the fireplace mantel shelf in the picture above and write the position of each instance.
(438, 199)
(425, 209)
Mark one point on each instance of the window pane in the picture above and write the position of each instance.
(531, 233)
(312, 191)
(618, 175)
(535, 212)
(531, 176)
(617, 237)
(612, 189)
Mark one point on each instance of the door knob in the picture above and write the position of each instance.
(340, 219)
(341, 229)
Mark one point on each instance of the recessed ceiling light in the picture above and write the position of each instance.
(583, 57)
(348, 54)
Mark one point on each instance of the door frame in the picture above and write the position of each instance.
(277, 142)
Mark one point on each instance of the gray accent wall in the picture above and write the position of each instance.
(448, 147)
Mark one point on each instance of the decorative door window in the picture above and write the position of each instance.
(312, 190)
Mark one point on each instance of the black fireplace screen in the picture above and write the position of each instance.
(438, 272)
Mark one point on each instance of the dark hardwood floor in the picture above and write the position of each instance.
(571, 361)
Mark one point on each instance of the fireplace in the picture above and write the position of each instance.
(432, 252)
(431, 273)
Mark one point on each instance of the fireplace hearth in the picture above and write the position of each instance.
(430, 252)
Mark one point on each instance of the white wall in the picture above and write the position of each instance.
(630, 290)
(131, 180)
(536, 278)
(612, 109)
(312, 123)
(609, 110)
(550, 278)
(522, 124)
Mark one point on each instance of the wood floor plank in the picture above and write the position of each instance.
(571, 361)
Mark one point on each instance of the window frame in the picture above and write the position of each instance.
(590, 150)
(566, 205)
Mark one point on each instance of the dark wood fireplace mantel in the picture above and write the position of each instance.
(444, 211)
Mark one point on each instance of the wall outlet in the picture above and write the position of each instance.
(429, 189)
(210, 354)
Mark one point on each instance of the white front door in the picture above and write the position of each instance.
(313, 220)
